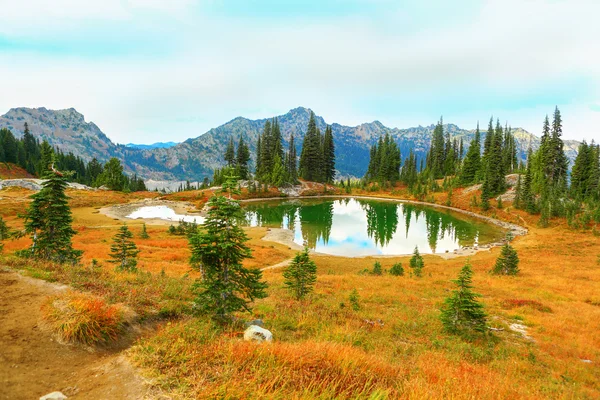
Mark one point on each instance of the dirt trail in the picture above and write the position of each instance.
(32, 364)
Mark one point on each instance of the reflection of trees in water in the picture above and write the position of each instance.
(316, 219)
(382, 220)
(272, 214)
(315, 222)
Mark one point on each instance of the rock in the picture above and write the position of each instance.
(54, 396)
(255, 322)
(586, 361)
(257, 334)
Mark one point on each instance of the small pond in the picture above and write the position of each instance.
(358, 227)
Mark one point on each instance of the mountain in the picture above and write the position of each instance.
(197, 157)
(157, 145)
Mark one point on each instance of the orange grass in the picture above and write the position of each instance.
(559, 272)
(80, 318)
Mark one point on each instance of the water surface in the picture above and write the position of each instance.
(357, 227)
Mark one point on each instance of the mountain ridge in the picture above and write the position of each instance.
(195, 158)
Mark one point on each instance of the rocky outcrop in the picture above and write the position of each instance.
(36, 184)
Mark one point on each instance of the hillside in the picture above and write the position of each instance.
(197, 157)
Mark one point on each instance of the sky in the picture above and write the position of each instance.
(151, 70)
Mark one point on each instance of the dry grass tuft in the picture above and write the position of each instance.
(81, 318)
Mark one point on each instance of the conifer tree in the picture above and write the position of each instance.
(112, 175)
(230, 153)
(518, 201)
(242, 159)
(462, 313)
(300, 276)
(397, 270)
(328, 156)
(485, 195)
(292, 169)
(487, 145)
(527, 193)
(226, 286)
(48, 220)
(437, 151)
(311, 156)
(417, 263)
(123, 251)
(471, 164)
(508, 261)
(46, 157)
(144, 234)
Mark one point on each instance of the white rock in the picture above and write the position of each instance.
(257, 334)
(54, 396)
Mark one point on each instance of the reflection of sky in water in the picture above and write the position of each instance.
(164, 212)
(349, 233)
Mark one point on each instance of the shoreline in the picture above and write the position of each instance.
(286, 236)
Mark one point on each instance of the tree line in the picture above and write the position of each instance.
(37, 157)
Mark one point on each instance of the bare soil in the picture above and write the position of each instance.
(33, 363)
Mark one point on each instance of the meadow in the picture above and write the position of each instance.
(545, 341)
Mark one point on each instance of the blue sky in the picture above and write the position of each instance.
(152, 70)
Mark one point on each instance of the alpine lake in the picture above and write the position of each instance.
(359, 227)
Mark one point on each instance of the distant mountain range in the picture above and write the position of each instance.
(157, 145)
(198, 157)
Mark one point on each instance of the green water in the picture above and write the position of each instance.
(355, 227)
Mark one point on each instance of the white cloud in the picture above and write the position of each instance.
(211, 68)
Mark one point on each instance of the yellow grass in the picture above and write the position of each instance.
(324, 350)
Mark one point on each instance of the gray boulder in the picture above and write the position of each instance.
(257, 334)
(257, 322)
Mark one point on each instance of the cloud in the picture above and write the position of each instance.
(146, 68)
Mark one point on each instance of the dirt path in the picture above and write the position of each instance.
(32, 364)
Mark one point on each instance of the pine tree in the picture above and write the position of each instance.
(292, 169)
(311, 155)
(397, 270)
(226, 286)
(300, 276)
(528, 196)
(472, 162)
(417, 263)
(462, 313)
(230, 153)
(48, 220)
(112, 176)
(328, 156)
(377, 270)
(508, 261)
(123, 251)
(46, 157)
(485, 195)
(518, 201)
(144, 234)
(243, 157)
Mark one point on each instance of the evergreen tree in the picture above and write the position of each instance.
(487, 145)
(292, 169)
(328, 156)
(278, 175)
(508, 261)
(226, 286)
(123, 251)
(518, 201)
(300, 276)
(259, 169)
(377, 270)
(485, 195)
(46, 157)
(462, 313)
(48, 221)
(528, 198)
(144, 234)
(416, 262)
(9, 145)
(311, 156)
(437, 151)
(397, 270)
(31, 147)
(243, 157)
(112, 175)
(472, 162)
(230, 153)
